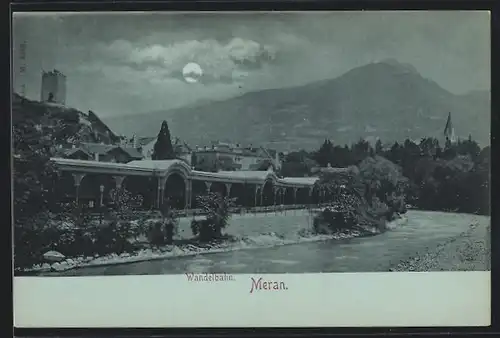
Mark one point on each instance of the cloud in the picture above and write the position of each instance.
(221, 62)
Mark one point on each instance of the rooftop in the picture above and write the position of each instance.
(146, 167)
(101, 149)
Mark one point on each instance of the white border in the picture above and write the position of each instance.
(312, 300)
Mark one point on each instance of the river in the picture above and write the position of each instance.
(423, 231)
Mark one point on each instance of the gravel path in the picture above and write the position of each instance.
(469, 251)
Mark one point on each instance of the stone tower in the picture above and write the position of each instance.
(53, 87)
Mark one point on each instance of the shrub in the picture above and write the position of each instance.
(364, 197)
(156, 234)
(217, 208)
(330, 221)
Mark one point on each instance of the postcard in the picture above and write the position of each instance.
(251, 169)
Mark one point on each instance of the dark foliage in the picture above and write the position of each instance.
(453, 177)
(217, 209)
(163, 149)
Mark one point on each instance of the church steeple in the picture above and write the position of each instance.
(449, 131)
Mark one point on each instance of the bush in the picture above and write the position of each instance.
(217, 208)
(330, 221)
(363, 197)
(457, 184)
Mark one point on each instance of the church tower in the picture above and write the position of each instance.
(449, 131)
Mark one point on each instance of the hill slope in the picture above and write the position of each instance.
(64, 126)
(387, 100)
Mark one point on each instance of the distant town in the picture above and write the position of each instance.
(213, 157)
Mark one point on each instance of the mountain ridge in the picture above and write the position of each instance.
(384, 99)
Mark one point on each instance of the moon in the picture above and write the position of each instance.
(192, 72)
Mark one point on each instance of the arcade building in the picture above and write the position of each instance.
(90, 183)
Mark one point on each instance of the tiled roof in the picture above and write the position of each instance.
(264, 162)
(69, 152)
(132, 152)
(97, 148)
(102, 149)
(145, 140)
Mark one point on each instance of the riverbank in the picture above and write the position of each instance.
(469, 251)
(232, 243)
(170, 251)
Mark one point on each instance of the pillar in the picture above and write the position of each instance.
(295, 195)
(256, 195)
(189, 191)
(261, 197)
(160, 191)
(228, 189)
(78, 179)
(118, 181)
(163, 182)
(208, 185)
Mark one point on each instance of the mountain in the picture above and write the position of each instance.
(387, 99)
(62, 125)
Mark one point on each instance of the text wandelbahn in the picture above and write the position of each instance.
(209, 277)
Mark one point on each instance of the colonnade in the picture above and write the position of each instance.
(250, 194)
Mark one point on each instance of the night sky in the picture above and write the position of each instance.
(128, 63)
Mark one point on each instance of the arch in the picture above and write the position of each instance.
(249, 195)
(281, 195)
(288, 196)
(238, 192)
(315, 198)
(65, 190)
(175, 190)
(271, 176)
(179, 167)
(198, 188)
(144, 186)
(218, 188)
(303, 196)
(90, 189)
(267, 193)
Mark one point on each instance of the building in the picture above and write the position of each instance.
(331, 170)
(76, 154)
(101, 153)
(145, 146)
(53, 87)
(174, 180)
(181, 149)
(449, 131)
(226, 156)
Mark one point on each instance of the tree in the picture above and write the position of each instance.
(428, 146)
(360, 151)
(468, 147)
(382, 179)
(324, 155)
(297, 164)
(410, 155)
(378, 148)
(163, 149)
(34, 176)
